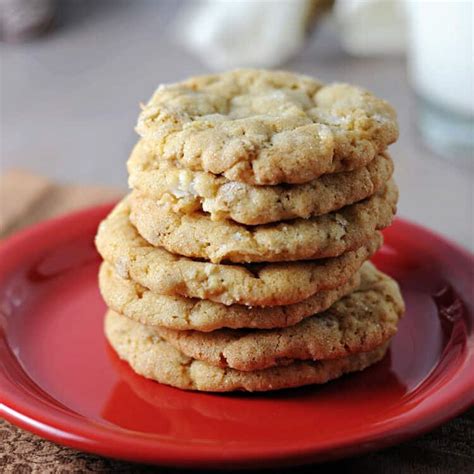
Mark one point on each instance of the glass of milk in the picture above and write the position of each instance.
(441, 62)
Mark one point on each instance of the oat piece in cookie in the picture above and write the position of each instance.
(359, 322)
(266, 127)
(269, 284)
(197, 236)
(248, 204)
(152, 357)
(175, 312)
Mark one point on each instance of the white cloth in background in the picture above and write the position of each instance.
(226, 34)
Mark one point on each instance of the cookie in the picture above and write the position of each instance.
(270, 284)
(248, 204)
(142, 305)
(359, 322)
(197, 236)
(151, 356)
(266, 127)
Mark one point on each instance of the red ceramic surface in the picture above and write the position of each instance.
(60, 379)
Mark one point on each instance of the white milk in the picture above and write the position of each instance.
(441, 66)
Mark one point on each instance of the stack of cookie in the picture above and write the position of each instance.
(238, 261)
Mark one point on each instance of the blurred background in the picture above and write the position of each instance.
(73, 72)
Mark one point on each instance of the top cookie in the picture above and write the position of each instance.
(266, 127)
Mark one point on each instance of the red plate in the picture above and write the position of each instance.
(60, 379)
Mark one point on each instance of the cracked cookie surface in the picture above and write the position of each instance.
(151, 356)
(197, 236)
(249, 204)
(266, 127)
(269, 284)
(175, 312)
(359, 322)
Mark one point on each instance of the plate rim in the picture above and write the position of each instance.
(18, 409)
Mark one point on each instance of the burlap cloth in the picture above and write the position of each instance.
(27, 198)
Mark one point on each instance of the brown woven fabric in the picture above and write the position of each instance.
(26, 198)
(448, 449)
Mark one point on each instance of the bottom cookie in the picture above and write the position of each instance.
(152, 357)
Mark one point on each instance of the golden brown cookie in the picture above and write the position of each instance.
(197, 236)
(154, 358)
(175, 312)
(248, 204)
(269, 284)
(266, 127)
(359, 322)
